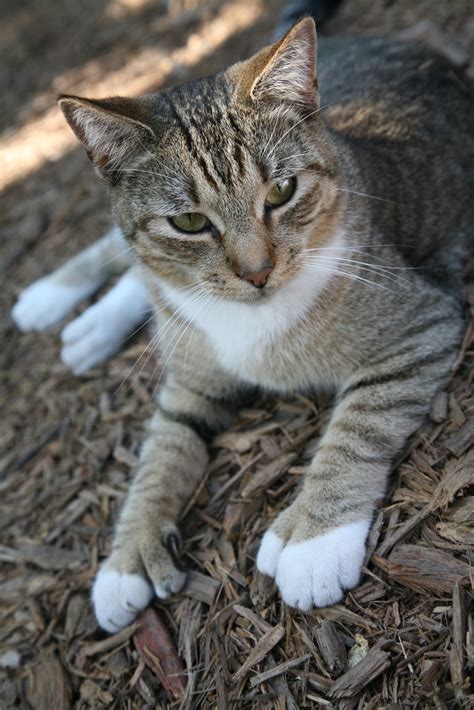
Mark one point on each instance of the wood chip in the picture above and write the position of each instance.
(94, 695)
(201, 587)
(458, 475)
(47, 685)
(92, 649)
(331, 646)
(266, 475)
(278, 670)
(155, 645)
(254, 618)
(424, 569)
(356, 678)
(262, 649)
(340, 613)
(49, 557)
(456, 655)
(462, 439)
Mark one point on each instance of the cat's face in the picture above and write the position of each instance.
(226, 181)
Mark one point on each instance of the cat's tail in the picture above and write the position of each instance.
(320, 10)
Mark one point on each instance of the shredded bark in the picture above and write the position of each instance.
(404, 637)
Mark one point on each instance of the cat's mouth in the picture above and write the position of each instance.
(249, 294)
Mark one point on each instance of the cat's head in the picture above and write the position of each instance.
(225, 180)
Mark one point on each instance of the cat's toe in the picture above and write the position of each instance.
(269, 553)
(118, 598)
(44, 303)
(170, 584)
(317, 571)
(163, 566)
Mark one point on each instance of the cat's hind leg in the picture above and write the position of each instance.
(101, 330)
(48, 300)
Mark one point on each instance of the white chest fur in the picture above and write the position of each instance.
(241, 332)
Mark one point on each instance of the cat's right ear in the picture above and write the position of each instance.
(111, 130)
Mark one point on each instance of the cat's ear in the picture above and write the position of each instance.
(285, 72)
(111, 130)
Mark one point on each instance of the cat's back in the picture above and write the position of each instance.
(381, 87)
(406, 116)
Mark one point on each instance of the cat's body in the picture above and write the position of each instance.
(358, 275)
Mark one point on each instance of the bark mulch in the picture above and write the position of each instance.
(68, 445)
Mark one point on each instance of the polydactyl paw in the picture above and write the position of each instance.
(128, 580)
(316, 571)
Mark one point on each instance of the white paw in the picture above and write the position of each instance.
(91, 338)
(45, 303)
(103, 328)
(118, 598)
(315, 572)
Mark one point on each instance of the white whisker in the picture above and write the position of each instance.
(354, 277)
(367, 254)
(117, 256)
(363, 265)
(153, 344)
(305, 118)
(365, 194)
(198, 306)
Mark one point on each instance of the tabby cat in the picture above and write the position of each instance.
(289, 243)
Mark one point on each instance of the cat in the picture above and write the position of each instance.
(289, 243)
(103, 329)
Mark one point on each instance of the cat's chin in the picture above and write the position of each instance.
(250, 299)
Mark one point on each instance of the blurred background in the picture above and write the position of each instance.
(67, 444)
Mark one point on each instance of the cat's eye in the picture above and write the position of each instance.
(280, 193)
(190, 222)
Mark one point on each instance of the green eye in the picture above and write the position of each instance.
(281, 192)
(191, 222)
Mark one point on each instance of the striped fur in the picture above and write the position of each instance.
(382, 188)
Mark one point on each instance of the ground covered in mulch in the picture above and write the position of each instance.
(68, 445)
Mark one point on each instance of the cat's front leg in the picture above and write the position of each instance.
(144, 557)
(143, 561)
(315, 549)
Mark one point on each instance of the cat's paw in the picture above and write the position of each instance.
(316, 571)
(120, 591)
(102, 329)
(45, 303)
(118, 598)
(92, 338)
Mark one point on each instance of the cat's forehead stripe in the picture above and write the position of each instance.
(211, 132)
(190, 143)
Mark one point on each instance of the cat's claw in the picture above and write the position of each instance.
(317, 571)
(45, 303)
(118, 598)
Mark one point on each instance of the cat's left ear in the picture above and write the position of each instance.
(285, 72)
(111, 130)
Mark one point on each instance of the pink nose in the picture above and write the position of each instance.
(258, 278)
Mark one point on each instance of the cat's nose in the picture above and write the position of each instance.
(258, 278)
